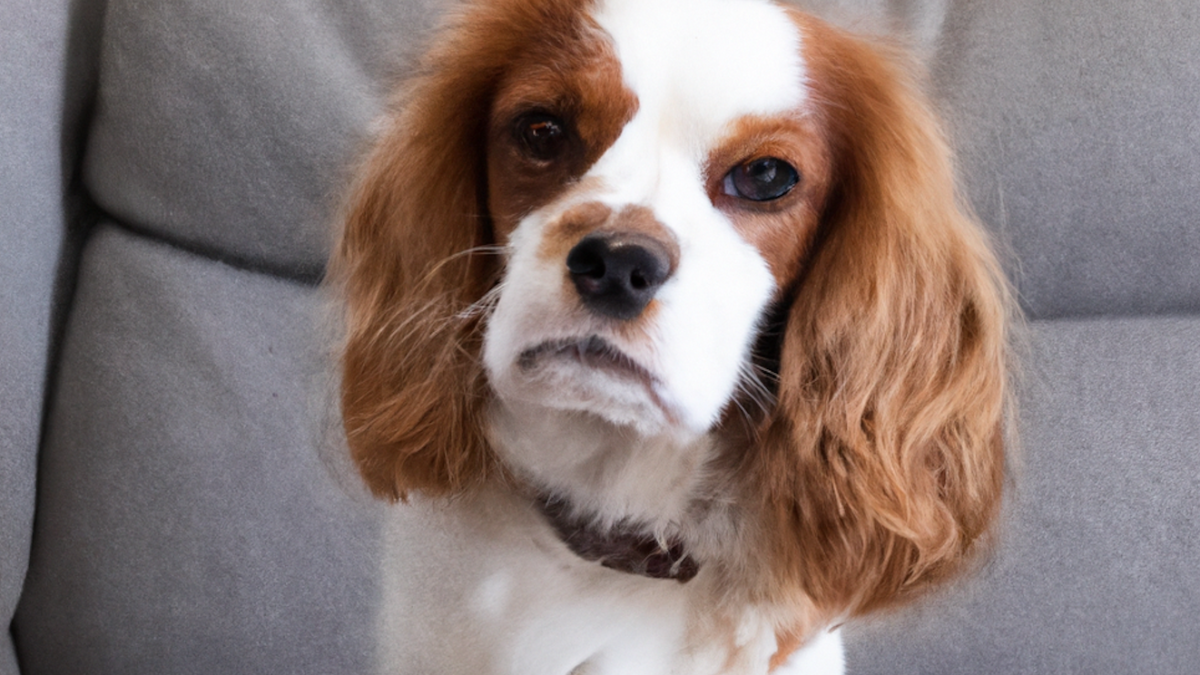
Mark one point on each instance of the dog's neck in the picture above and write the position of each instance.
(610, 471)
(612, 494)
(625, 547)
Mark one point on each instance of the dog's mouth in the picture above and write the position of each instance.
(594, 371)
(592, 352)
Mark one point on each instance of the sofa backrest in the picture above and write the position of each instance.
(1078, 125)
(229, 127)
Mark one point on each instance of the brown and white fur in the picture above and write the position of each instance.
(691, 268)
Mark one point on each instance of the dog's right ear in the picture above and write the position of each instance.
(409, 270)
(414, 260)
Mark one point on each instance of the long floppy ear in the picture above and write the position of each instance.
(883, 462)
(411, 273)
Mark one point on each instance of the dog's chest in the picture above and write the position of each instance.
(483, 585)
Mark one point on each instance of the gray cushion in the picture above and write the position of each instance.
(1079, 124)
(226, 127)
(1074, 137)
(1097, 567)
(32, 221)
(186, 521)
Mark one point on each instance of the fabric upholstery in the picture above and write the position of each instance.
(33, 55)
(227, 127)
(186, 521)
(1095, 570)
(1078, 125)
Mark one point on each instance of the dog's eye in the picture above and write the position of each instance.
(762, 179)
(544, 136)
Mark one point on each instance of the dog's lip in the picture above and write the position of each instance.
(591, 351)
(596, 353)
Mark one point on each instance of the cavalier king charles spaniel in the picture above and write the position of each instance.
(666, 318)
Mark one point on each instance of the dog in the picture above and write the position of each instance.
(668, 324)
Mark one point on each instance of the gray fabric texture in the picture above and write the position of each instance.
(186, 521)
(1096, 567)
(8, 657)
(226, 127)
(1079, 130)
(32, 59)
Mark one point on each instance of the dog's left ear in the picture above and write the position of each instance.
(883, 461)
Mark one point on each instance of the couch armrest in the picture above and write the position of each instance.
(46, 71)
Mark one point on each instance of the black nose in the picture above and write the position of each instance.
(617, 274)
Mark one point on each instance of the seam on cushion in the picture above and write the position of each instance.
(307, 275)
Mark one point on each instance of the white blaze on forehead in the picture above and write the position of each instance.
(706, 62)
(696, 68)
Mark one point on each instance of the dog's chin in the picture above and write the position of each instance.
(589, 375)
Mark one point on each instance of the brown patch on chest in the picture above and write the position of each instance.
(788, 642)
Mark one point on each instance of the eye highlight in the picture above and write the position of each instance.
(761, 180)
(542, 135)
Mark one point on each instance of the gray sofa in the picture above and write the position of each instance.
(169, 170)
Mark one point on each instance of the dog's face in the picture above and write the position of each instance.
(656, 183)
(589, 218)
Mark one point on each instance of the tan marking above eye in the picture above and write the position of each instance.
(583, 91)
(781, 226)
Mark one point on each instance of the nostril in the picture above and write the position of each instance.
(617, 274)
(587, 258)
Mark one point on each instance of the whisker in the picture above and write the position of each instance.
(483, 305)
(487, 249)
(752, 388)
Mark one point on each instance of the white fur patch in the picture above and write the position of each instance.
(704, 63)
(697, 66)
(624, 445)
(824, 655)
(481, 586)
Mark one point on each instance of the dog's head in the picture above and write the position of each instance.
(711, 217)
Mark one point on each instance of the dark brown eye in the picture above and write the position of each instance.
(543, 136)
(762, 179)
